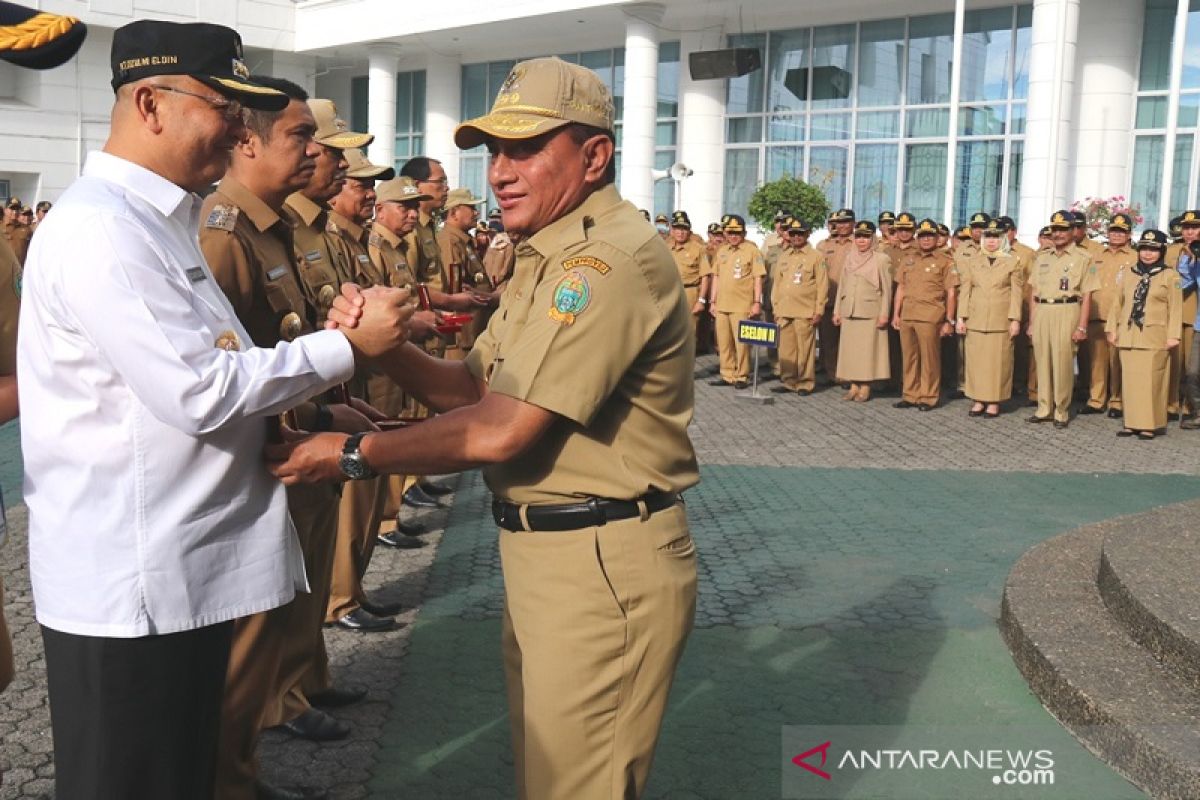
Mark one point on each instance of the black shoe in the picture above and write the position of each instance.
(381, 609)
(399, 541)
(316, 726)
(435, 489)
(265, 791)
(1089, 410)
(719, 382)
(804, 392)
(741, 385)
(925, 407)
(903, 404)
(1036, 419)
(364, 621)
(1190, 425)
(975, 412)
(781, 390)
(338, 696)
(416, 498)
(1114, 413)
(1146, 436)
(1125, 433)
(410, 528)
(1060, 424)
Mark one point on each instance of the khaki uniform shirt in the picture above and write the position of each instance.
(1163, 312)
(463, 267)
(901, 254)
(800, 289)
(1191, 296)
(691, 258)
(835, 249)
(386, 251)
(499, 259)
(857, 298)
(967, 250)
(352, 238)
(18, 237)
(1092, 247)
(1112, 265)
(736, 268)
(711, 247)
(322, 259)
(623, 402)
(1062, 275)
(10, 306)
(991, 291)
(926, 283)
(424, 256)
(250, 251)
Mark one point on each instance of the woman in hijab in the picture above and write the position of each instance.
(990, 292)
(1146, 321)
(864, 300)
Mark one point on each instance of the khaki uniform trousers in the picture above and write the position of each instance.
(1146, 390)
(1176, 363)
(1055, 353)
(829, 335)
(7, 668)
(922, 362)
(735, 356)
(1104, 379)
(595, 621)
(359, 515)
(797, 353)
(275, 652)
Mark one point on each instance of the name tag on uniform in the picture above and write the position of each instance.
(312, 255)
(196, 274)
(275, 273)
(1063, 284)
(363, 258)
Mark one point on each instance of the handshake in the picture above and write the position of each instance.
(375, 321)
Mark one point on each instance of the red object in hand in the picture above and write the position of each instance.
(453, 323)
(423, 301)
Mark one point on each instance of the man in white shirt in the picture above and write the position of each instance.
(153, 522)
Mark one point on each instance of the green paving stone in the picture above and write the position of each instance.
(827, 597)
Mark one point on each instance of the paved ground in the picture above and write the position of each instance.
(852, 559)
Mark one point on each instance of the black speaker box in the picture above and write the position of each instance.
(734, 63)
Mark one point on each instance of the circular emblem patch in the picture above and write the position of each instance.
(571, 298)
(289, 326)
(325, 296)
(228, 340)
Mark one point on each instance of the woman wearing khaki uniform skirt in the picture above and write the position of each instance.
(1145, 324)
(991, 290)
(864, 299)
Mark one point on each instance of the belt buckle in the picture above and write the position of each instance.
(593, 504)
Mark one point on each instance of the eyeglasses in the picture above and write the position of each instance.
(230, 109)
(441, 181)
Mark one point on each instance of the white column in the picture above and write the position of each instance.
(1048, 118)
(443, 108)
(1109, 52)
(955, 94)
(641, 102)
(701, 138)
(1177, 50)
(384, 61)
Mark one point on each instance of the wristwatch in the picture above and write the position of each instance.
(352, 463)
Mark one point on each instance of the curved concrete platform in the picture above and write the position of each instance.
(1149, 580)
(1086, 668)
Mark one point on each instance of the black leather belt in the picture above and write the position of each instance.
(572, 516)
(1059, 301)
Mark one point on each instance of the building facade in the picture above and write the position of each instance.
(938, 107)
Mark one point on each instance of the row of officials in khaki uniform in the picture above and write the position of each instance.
(907, 304)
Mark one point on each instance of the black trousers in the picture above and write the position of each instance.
(136, 719)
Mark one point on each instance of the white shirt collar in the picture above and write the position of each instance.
(151, 187)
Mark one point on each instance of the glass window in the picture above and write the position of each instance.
(1157, 31)
(471, 175)
(475, 98)
(981, 120)
(741, 179)
(930, 53)
(668, 79)
(746, 129)
(1191, 48)
(879, 125)
(1016, 125)
(880, 62)
(418, 101)
(1016, 160)
(784, 161)
(1189, 110)
(1179, 178)
(1021, 60)
(664, 134)
(833, 57)
(359, 101)
(827, 171)
(980, 174)
(923, 122)
(830, 126)
(404, 104)
(1147, 175)
(497, 72)
(664, 190)
(618, 84)
(787, 127)
(599, 61)
(986, 54)
(1151, 112)
(925, 179)
(788, 57)
(875, 178)
(745, 94)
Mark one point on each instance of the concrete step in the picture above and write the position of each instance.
(1150, 582)
(1111, 693)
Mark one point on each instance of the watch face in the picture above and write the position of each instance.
(354, 467)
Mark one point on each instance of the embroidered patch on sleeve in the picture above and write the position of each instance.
(571, 298)
(586, 261)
